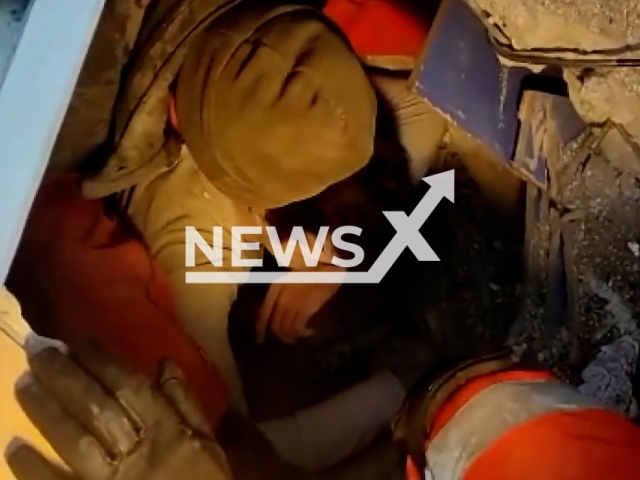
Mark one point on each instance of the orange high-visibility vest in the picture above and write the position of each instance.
(524, 425)
(88, 277)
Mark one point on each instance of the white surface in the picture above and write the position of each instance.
(33, 100)
(12, 323)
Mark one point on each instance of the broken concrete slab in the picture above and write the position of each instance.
(570, 30)
(548, 24)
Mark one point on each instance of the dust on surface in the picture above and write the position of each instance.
(584, 24)
(610, 27)
(607, 269)
(599, 212)
(591, 214)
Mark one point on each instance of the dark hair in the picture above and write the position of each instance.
(359, 200)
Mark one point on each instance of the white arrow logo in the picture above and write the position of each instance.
(407, 236)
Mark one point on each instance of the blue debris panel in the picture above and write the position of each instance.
(548, 123)
(461, 76)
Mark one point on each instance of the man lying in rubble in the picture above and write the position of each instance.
(270, 106)
(273, 107)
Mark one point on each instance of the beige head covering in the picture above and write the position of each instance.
(277, 108)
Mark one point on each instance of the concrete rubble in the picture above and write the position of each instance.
(582, 25)
(579, 24)
(608, 377)
(594, 193)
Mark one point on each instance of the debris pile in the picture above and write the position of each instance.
(592, 202)
(598, 31)
(587, 25)
(597, 205)
(608, 376)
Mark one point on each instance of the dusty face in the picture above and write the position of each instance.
(359, 200)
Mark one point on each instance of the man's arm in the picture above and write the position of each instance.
(288, 308)
(161, 209)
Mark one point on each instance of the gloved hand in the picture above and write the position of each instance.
(108, 423)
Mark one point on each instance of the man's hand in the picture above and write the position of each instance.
(108, 423)
(287, 309)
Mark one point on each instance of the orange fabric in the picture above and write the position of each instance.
(588, 443)
(578, 445)
(87, 276)
(465, 393)
(412, 471)
(379, 27)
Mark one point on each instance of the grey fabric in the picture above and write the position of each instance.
(140, 149)
(421, 127)
(325, 434)
(274, 106)
(86, 125)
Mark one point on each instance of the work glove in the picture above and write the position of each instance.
(108, 423)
